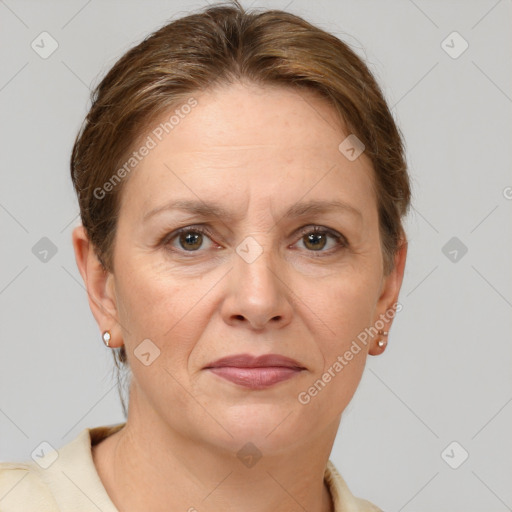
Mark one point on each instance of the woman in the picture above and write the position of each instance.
(242, 186)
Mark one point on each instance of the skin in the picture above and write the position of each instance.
(275, 147)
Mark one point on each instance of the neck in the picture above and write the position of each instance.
(149, 466)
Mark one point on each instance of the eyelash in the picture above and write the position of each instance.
(341, 241)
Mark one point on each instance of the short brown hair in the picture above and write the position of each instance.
(218, 45)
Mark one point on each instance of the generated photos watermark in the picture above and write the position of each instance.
(152, 140)
(304, 397)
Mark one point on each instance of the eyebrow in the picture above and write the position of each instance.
(209, 210)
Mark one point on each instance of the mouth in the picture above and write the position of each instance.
(255, 372)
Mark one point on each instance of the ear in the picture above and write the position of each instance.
(99, 284)
(390, 290)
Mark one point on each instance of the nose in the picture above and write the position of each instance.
(258, 295)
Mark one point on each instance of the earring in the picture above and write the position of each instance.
(382, 343)
(106, 338)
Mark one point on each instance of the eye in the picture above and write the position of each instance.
(189, 239)
(316, 238)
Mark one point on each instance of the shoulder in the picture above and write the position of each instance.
(342, 498)
(23, 490)
(57, 480)
(366, 506)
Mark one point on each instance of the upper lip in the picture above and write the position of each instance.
(248, 361)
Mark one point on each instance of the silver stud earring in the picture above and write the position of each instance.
(106, 338)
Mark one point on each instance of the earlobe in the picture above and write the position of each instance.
(379, 345)
(98, 282)
(388, 300)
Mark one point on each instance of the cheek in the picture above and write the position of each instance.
(346, 309)
(333, 385)
(354, 305)
(159, 307)
(342, 302)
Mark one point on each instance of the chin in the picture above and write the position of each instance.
(270, 427)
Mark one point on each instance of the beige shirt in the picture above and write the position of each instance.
(66, 480)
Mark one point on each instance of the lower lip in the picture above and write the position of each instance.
(255, 378)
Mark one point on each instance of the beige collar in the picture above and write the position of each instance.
(76, 485)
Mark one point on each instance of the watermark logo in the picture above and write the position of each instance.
(249, 249)
(146, 352)
(352, 148)
(249, 455)
(44, 250)
(454, 250)
(44, 455)
(44, 45)
(454, 45)
(454, 455)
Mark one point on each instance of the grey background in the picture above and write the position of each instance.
(445, 375)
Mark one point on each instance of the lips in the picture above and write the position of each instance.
(248, 361)
(255, 372)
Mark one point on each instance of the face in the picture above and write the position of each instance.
(281, 255)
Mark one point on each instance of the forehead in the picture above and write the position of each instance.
(245, 116)
(247, 136)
